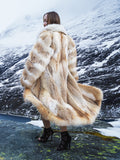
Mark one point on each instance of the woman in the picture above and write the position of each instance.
(50, 82)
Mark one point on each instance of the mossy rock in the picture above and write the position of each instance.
(18, 142)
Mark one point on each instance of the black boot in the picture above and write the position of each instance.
(65, 141)
(48, 132)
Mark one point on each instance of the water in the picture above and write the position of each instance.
(14, 118)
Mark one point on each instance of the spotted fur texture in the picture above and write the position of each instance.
(50, 81)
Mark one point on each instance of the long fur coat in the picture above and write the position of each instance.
(50, 81)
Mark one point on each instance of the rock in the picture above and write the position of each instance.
(18, 142)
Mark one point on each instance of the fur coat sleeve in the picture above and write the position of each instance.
(37, 60)
(72, 58)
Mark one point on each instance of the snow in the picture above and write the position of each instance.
(19, 72)
(15, 87)
(100, 64)
(25, 31)
(22, 32)
(87, 43)
(111, 131)
(115, 123)
(116, 88)
(1, 63)
(19, 39)
(37, 123)
(82, 71)
(1, 85)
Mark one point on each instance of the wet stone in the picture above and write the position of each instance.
(18, 142)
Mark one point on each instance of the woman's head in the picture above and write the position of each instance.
(51, 18)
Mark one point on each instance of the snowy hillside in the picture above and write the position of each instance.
(97, 38)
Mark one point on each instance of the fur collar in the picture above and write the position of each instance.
(55, 27)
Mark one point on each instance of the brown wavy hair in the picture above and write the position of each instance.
(53, 18)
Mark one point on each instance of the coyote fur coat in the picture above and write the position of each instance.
(50, 81)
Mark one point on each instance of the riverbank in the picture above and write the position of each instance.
(18, 142)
